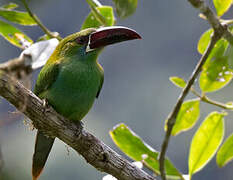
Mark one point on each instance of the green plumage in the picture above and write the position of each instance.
(70, 81)
(75, 87)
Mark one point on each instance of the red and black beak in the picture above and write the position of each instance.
(110, 35)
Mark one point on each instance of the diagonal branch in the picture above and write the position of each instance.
(172, 117)
(219, 32)
(47, 120)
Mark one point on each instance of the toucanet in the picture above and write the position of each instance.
(72, 78)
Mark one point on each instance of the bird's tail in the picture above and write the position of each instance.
(43, 147)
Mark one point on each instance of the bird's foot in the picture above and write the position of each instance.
(45, 105)
(45, 102)
(79, 126)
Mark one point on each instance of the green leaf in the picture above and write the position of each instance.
(206, 141)
(125, 8)
(216, 72)
(18, 17)
(133, 146)
(179, 82)
(204, 41)
(229, 105)
(222, 6)
(225, 153)
(229, 54)
(12, 34)
(215, 75)
(10, 6)
(219, 50)
(92, 21)
(187, 116)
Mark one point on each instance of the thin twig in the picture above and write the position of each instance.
(39, 23)
(94, 3)
(206, 99)
(213, 19)
(172, 117)
(215, 103)
(227, 21)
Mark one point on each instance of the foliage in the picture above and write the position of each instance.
(217, 73)
(206, 141)
(125, 8)
(92, 19)
(11, 33)
(222, 6)
(128, 141)
(187, 116)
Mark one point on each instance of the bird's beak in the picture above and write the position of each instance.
(110, 35)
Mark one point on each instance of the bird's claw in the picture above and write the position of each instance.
(45, 105)
(79, 125)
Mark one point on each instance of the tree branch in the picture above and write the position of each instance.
(213, 19)
(219, 32)
(47, 120)
(172, 117)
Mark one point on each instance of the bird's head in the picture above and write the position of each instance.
(91, 41)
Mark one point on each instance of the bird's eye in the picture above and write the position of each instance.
(82, 40)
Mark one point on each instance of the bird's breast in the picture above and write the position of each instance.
(75, 89)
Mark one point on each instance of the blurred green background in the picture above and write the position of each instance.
(136, 90)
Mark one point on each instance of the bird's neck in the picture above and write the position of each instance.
(76, 54)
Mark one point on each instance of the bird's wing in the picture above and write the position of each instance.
(46, 78)
(101, 84)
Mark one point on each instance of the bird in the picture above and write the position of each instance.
(72, 79)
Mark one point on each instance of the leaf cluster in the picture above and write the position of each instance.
(217, 73)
